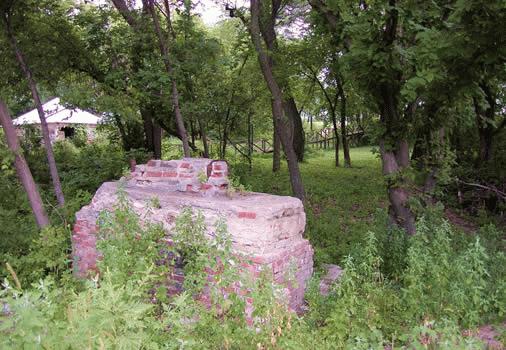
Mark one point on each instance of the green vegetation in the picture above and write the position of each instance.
(386, 118)
(396, 291)
(341, 203)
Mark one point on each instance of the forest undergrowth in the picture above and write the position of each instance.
(430, 291)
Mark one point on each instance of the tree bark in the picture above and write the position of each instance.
(43, 124)
(398, 195)
(394, 148)
(157, 140)
(268, 33)
(346, 148)
(281, 123)
(168, 67)
(336, 135)
(276, 148)
(296, 127)
(203, 136)
(332, 106)
(22, 169)
(152, 131)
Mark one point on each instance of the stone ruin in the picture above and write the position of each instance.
(267, 229)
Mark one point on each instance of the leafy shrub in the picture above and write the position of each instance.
(440, 288)
(443, 285)
(48, 254)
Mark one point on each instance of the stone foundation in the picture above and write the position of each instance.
(267, 229)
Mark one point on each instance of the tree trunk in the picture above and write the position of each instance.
(203, 136)
(147, 122)
(486, 137)
(223, 150)
(398, 195)
(266, 27)
(192, 133)
(418, 148)
(346, 148)
(152, 131)
(157, 140)
(277, 102)
(22, 169)
(296, 128)
(276, 154)
(336, 135)
(394, 148)
(43, 124)
(168, 67)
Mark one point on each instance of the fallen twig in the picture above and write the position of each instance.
(499, 193)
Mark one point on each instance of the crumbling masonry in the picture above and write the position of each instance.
(268, 229)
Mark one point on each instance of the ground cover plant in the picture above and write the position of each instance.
(423, 292)
(386, 118)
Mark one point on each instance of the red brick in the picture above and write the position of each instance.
(186, 176)
(170, 174)
(258, 260)
(206, 186)
(217, 166)
(154, 174)
(217, 174)
(247, 215)
(184, 165)
(81, 223)
(189, 187)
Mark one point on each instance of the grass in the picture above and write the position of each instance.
(341, 202)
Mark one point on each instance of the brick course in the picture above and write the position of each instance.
(266, 229)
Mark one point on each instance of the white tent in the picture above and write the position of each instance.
(57, 113)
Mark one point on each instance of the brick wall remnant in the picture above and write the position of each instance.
(267, 229)
(199, 175)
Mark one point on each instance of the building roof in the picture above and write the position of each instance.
(57, 113)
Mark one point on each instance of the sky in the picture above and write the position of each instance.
(210, 12)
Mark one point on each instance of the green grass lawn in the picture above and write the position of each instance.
(341, 202)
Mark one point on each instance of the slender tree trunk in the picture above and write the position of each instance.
(192, 133)
(43, 124)
(152, 131)
(277, 102)
(276, 149)
(157, 140)
(122, 132)
(147, 122)
(268, 33)
(346, 148)
(22, 169)
(336, 135)
(168, 67)
(418, 148)
(296, 128)
(203, 135)
(223, 150)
